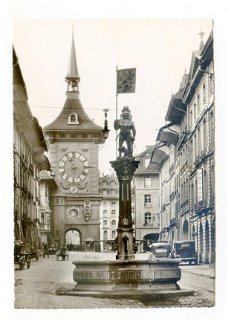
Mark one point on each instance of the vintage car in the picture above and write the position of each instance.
(185, 250)
(161, 249)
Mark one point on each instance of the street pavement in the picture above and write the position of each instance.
(36, 287)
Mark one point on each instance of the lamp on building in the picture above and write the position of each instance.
(105, 130)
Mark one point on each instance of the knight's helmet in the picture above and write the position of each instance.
(126, 111)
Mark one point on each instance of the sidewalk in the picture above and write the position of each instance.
(207, 270)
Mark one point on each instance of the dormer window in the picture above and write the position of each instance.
(73, 119)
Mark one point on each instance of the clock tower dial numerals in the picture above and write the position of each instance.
(73, 167)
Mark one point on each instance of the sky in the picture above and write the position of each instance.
(159, 49)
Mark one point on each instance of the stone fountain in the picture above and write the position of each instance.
(127, 275)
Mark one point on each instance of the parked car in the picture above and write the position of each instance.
(185, 250)
(161, 249)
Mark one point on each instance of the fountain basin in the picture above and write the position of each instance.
(127, 277)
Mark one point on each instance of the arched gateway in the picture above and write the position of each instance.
(73, 239)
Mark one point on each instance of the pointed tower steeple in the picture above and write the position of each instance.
(73, 118)
(72, 77)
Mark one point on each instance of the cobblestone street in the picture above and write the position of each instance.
(36, 288)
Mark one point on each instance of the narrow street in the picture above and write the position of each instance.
(36, 287)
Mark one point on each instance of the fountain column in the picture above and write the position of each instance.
(125, 168)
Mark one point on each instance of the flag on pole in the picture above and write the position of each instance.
(126, 79)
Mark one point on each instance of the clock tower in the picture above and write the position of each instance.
(73, 140)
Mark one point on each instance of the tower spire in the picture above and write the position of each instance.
(72, 77)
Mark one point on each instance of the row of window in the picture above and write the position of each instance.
(105, 235)
(113, 212)
(105, 222)
(201, 99)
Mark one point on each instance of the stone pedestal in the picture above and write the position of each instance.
(125, 168)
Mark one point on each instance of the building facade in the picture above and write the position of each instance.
(187, 177)
(73, 140)
(29, 159)
(109, 210)
(44, 216)
(146, 198)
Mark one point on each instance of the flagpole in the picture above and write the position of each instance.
(116, 103)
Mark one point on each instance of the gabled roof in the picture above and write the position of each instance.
(200, 61)
(18, 79)
(154, 166)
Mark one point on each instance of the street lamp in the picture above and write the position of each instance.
(105, 130)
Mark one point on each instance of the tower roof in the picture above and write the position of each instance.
(73, 68)
(72, 106)
(73, 117)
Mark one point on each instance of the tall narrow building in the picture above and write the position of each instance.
(73, 140)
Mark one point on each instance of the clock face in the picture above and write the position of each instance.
(72, 215)
(73, 167)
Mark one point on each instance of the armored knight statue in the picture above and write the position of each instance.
(127, 132)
